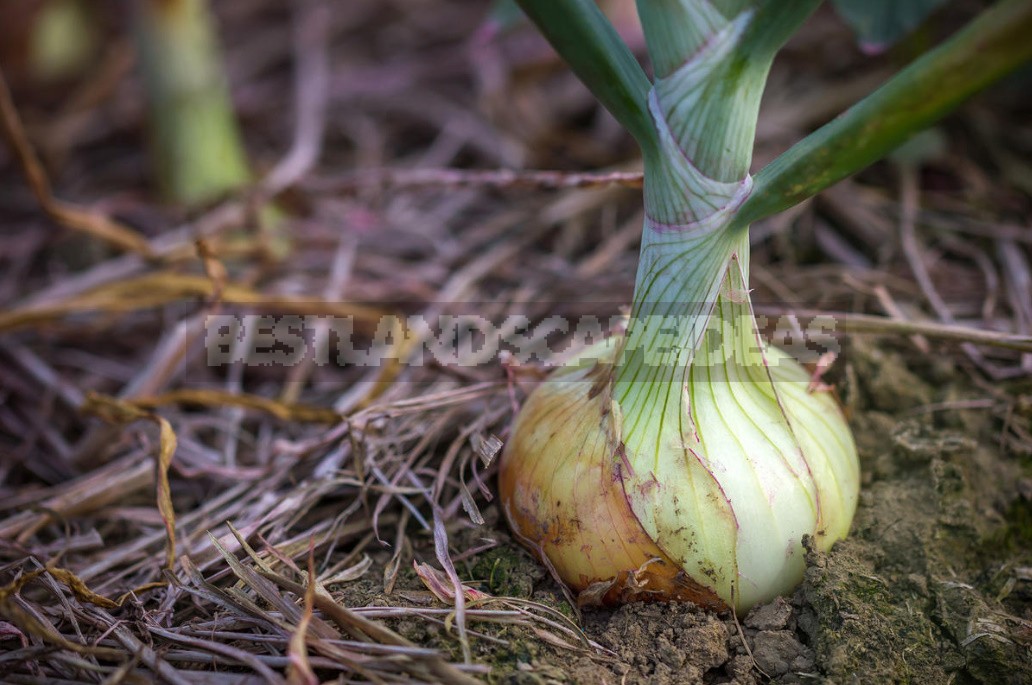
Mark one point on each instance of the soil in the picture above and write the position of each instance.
(933, 586)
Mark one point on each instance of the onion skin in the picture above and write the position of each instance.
(583, 526)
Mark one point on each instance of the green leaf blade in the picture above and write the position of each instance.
(991, 46)
(585, 39)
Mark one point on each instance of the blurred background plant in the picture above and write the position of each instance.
(196, 148)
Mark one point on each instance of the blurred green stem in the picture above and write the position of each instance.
(197, 146)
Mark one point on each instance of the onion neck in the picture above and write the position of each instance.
(704, 107)
(683, 276)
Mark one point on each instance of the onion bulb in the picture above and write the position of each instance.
(702, 491)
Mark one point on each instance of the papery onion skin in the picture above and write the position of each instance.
(561, 487)
(573, 496)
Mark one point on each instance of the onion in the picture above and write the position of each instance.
(699, 489)
(684, 459)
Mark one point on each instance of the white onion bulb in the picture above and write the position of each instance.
(711, 502)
